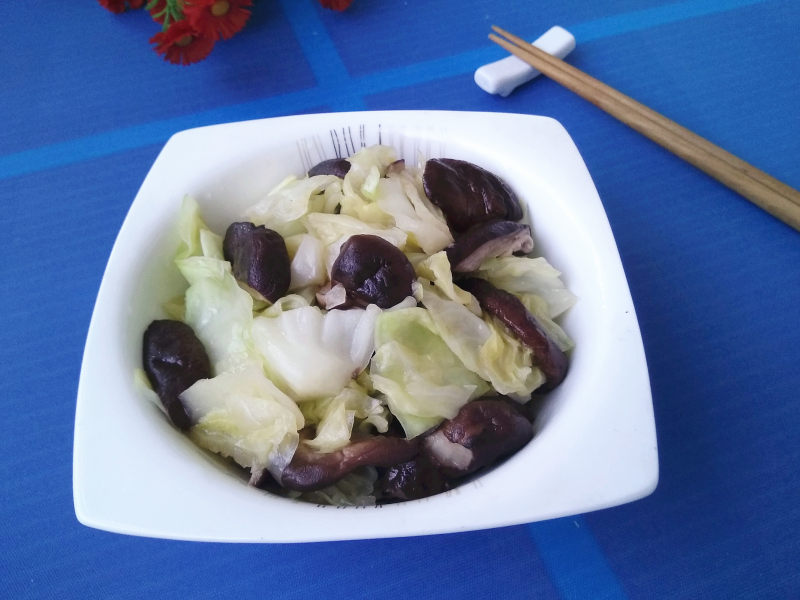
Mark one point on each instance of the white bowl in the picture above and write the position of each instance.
(595, 446)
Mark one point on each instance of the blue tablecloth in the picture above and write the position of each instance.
(85, 106)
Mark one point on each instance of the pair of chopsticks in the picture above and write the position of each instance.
(762, 189)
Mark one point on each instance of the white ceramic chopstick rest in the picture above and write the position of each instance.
(503, 76)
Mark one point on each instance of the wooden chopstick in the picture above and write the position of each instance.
(772, 195)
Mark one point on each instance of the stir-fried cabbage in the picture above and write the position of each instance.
(279, 368)
(336, 417)
(484, 346)
(436, 269)
(523, 275)
(241, 414)
(308, 261)
(218, 310)
(367, 166)
(283, 209)
(195, 238)
(313, 354)
(423, 380)
(399, 196)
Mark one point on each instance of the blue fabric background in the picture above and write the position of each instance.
(85, 106)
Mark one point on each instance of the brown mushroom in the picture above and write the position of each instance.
(468, 194)
(488, 240)
(482, 432)
(412, 480)
(373, 271)
(510, 311)
(173, 359)
(310, 470)
(333, 166)
(258, 258)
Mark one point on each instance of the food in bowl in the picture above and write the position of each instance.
(371, 332)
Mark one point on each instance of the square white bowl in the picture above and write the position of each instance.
(595, 444)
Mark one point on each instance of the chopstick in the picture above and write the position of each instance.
(772, 195)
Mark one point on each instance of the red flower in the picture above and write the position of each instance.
(157, 9)
(118, 6)
(336, 4)
(217, 18)
(165, 12)
(182, 44)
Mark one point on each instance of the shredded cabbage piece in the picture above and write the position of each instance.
(307, 262)
(436, 269)
(283, 208)
(357, 488)
(242, 415)
(218, 310)
(484, 346)
(312, 354)
(367, 167)
(336, 417)
(523, 275)
(423, 380)
(413, 213)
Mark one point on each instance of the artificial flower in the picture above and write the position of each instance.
(180, 43)
(336, 4)
(190, 28)
(165, 12)
(217, 18)
(118, 6)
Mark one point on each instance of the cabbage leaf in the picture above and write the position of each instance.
(436, 269)
(312, 354)
(412, 212)
(283, 208)
(423, 380)
(484, 346)
(523, 275)
(367, 167)
(218, 310)
(336, 417)
(242, 415)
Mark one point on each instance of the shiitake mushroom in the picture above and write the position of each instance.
(488, 240)
(310, 470)
(510, 311)
(483, 432)
(373, 271)
(411, 480)
(258, 258)
(468, 194)
(173, 359)
(333, 166)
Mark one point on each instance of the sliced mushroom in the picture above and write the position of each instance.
(373, 271)
(173, 359)
(333, 166)
(311, 470)
(258, 258)
(509, 310)
(482, 432)
(468, 194)
(488, 240)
